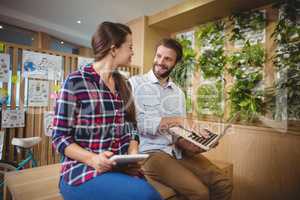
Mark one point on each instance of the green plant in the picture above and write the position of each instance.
(250, 55)
(210, 98)
(286, 91)
(210, 34)
(212, 63)
(188, 103)
(252, 20)
(210, 40)
(245, 95)
(182, 72)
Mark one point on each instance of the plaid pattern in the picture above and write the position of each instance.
(88, 114)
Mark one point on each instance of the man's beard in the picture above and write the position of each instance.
(163, 75)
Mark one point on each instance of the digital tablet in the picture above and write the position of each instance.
(126, 159)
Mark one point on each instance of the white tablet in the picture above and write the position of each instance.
(126, 159)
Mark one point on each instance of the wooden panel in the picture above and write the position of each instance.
(266, 164)
(189, 13)
(152, 36)
(86, 52)
(21, 131)
(137, 27)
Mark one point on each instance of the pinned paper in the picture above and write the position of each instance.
(3, 92)
(38, 93)
(14, 79)
(2, 47)
(56, 88)
(13, 118)
(43, 66)
(4, 67)
(53, 96)
(3, 100)
(1, 142)
(48, 116)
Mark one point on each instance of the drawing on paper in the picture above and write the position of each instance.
(38, 92)
(42, 66)
(13, 118)
(4, 67)
(48, 116)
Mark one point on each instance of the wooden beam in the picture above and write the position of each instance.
(193, 12)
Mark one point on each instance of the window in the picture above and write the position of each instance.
(13, 34)
(63, 46)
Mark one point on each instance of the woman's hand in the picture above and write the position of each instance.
(101, 162)
(133, 147)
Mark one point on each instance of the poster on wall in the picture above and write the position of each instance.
(2, 46)
(13, 118)
(82, 61)
(48, 116)
(1, 142)
(253, 36)
(4, 67)
(38, 92)
(42, 66)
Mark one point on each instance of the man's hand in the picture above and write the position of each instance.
(168, 122)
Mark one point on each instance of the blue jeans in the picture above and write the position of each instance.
(110, 186)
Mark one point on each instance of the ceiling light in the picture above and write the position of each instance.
(61, 42)
(1, 27)
(78, 21)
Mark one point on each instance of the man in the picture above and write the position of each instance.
(161, 104)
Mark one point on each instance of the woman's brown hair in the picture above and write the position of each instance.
(107, 35)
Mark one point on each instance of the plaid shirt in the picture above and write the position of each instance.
(88, 114)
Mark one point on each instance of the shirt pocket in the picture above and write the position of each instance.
(172, 105)
(151, 107)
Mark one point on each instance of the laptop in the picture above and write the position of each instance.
(200, 141)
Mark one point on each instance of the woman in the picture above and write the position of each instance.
(95, 119)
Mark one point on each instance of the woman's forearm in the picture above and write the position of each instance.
(76, 152)
(133, 147)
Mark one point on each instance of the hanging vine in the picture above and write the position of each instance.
(241, 22)
(181, 74)
(287, 62)
(246, 65)
(209, 99)
(210, 39)
(246, 95)
(212, 60)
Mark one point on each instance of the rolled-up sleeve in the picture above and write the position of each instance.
(135, 135)
(131, 130)
(64, 117)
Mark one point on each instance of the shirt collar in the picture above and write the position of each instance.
(153, 79)
(89, 72)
